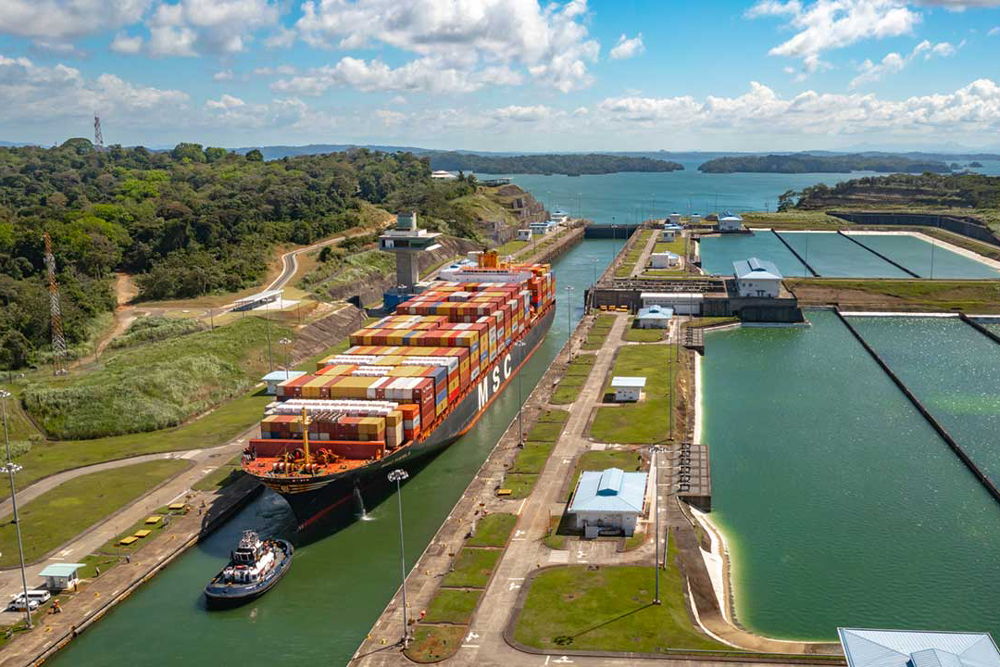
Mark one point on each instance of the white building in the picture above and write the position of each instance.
(627, 389)
(654, 317)
(908, 648)
(61, 576)
(730, 222)
(757, 278)
(695, 219)
(667, 235)
(524, 234)
(443, 175)
(675, 218)
(543, 228)
(608, 502)
(560, 216)
(274, 378)
(664, 260)
(682, 303)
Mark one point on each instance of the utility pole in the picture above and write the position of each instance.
(654, 466)
(58, 340)
(520, 344)
(267, 327)
(569, 312)
(398, 475)
(285, 342)
(10, 468)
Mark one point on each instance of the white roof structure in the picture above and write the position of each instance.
(281, 376)
(261, 296)
(756, 269)
(904, 648)
(684, 296)
(611, 490)
(627, 382)
(655, 313)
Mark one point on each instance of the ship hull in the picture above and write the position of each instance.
(224, 596)
(312, 505)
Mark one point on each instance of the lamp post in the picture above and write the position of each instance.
(594, 260)
(614, 239)
(520, 344)
(10, 468)
(285, 342)
(654, 465)
(569, 312)
(397, 476)
(267, 326)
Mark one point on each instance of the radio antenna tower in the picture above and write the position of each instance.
(98, 137)
(58, 340)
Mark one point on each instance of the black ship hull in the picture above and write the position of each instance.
(224, 596)
(312, 505)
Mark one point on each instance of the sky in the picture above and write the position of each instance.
(506, 75)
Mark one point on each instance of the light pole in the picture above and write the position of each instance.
(594, 260)
(670, 391)
(10, 468)
(397, 476)
(285, 342)
(267, 326)
(614, 239)
(520, 344)
(654, 450)
(569, 312)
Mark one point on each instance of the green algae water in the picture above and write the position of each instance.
(841, 506)
(926, 259)
(339, 584)
(955, 372)
(834, 256)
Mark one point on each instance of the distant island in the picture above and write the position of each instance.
(804, 163)
(570, 165)
(902, 191)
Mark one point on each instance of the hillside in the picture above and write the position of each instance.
(591, 163)
(972, 191)
(804, 163)
(186, 222)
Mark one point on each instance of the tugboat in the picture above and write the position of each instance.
(254, 567)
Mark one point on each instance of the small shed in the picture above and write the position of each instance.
(627, 389)
(675, 218)
(757, 278)
(524, 234)
(61, 576)
(654, 317)
(664, 260)
(730, 222)
(668, 234)
(608, 502)
(695, 219)
(274, 378)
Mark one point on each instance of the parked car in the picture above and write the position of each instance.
(17, 604)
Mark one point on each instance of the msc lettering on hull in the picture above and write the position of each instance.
(490, 384)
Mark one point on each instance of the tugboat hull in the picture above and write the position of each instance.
(221, 595)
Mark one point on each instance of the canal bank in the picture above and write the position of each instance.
(829, 541)
(339, 583)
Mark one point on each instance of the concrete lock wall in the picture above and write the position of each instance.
(956, 224)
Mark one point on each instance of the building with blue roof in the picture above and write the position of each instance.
(757, 278)
(906, 648)
(654, 317)
(61, 576)
(608, 502)
(730, 222)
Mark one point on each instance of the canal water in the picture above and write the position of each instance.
(955, 372)
(834, 256)
(841, 506)
(339, 584)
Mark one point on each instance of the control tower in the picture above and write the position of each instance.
(407, 242)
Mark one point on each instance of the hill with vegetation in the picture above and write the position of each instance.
(571, 165)
(804, 163)
(972, 191)
(186, 222)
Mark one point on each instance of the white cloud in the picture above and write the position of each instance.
(894, 62)
(627, 48)
(126, 44)
(826, 25)
(551, 42)
(225, 102)
(192, 27)
(223, 75)
(389, 117)
(52, 22)
(995, 30)
(63, 94)
(523, 114)
(424, 74)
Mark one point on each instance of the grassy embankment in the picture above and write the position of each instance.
(530, 460)
(598, 332)
(57, 515)
(970, 296)
(704, 322)
(610, 609)
(678, 247)
(646, 421)
(635, 335)
(573, 380)
(440, 633)
(635, 250)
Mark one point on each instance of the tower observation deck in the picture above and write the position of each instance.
(406, 241)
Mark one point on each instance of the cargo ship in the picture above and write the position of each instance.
(411, 384)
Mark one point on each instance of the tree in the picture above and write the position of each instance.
(255, 156)
(213, 154)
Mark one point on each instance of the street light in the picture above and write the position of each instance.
(267, 320)
(10, 468)
(594, 260)
(285, 342)
(654, 450)
(398, 475)
(520, 344)
(569, 311)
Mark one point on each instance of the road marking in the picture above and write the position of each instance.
(471, 637)
(178, 496)
(515, 578)
(470, 645)
(521, 507)
(547, 658)
(65, 552)
(562, 661)
(519, 533)
(513, 586)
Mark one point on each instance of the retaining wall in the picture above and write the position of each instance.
(965, 226)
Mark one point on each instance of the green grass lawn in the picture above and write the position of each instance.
(432, 643)
(635, 541)
(452, 605)
(531, 459)
(568, 390)
(646, 421)
(57, 515)
(971, 296)
(545, 432)
(472, 568)
(676, 246)
(598, 332)
(153, 386)
(581, 365)
(702, 322)
(221, 477)
(493, 530)
(601, 460)
(634, 335)
(520, 484)
(609, 609)
(511, 247)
